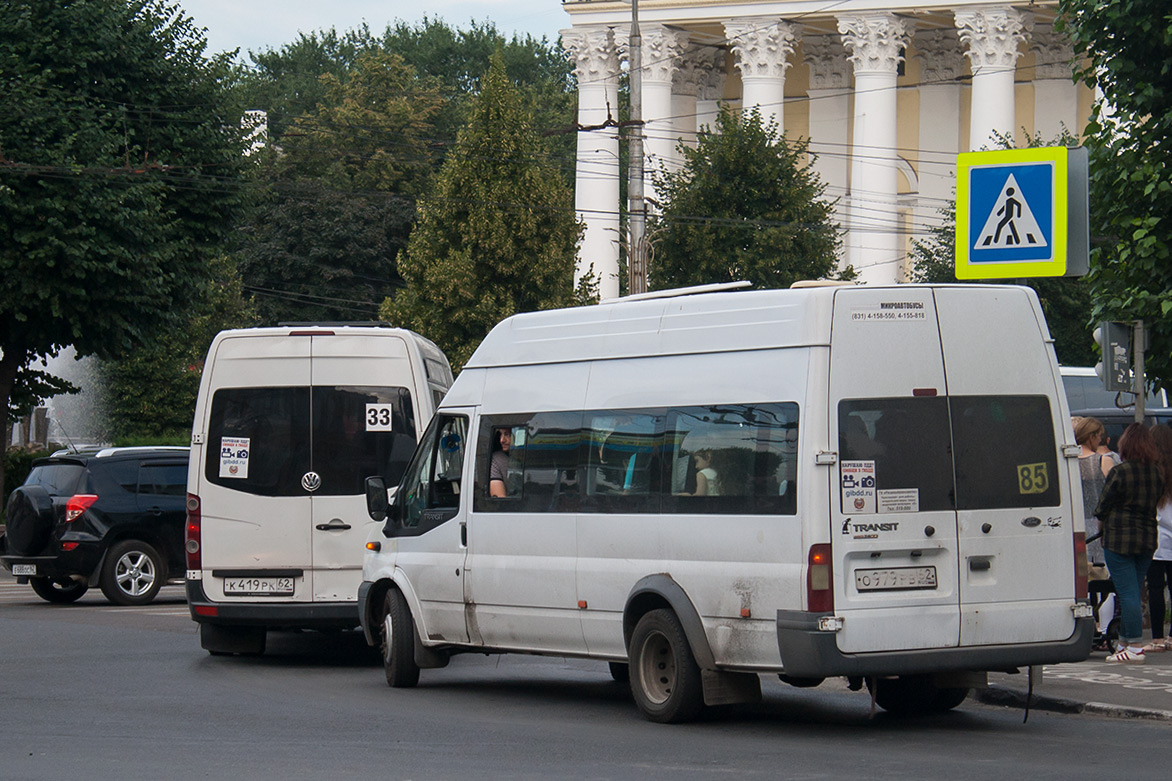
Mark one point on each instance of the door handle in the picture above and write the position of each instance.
(335, 525)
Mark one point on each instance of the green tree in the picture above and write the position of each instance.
(149, 394)
(744, 206)
(497, 235)
(1066, 301)
(119, 155)
(1128, 49)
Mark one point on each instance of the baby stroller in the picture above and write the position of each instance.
(1101, 592)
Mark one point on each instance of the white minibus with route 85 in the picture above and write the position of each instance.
(871, 482)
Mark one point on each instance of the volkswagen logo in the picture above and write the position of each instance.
(311, 481)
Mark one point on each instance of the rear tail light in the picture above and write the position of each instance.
(192, 543)
(819, 580)
(77, 505)
(1082, 567)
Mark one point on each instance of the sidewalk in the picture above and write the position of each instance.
(1094, 686)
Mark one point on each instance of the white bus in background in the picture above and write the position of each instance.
(890, 493)
(289, 422)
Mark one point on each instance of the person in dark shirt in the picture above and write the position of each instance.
(1127, 510)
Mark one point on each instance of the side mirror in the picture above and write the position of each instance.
(377, 505)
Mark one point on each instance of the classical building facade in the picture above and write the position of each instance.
(887, 95)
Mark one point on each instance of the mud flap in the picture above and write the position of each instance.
(725, 688)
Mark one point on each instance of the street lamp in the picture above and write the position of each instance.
(637, 204)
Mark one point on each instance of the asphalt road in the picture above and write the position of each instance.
(93, 691)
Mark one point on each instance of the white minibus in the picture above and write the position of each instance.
(289, 422)
(872, 482)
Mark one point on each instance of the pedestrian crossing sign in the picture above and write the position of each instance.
(1015, 211)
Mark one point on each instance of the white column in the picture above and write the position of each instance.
(710, 77)
(596, 186)
(1055, 93)
(762, 46)
(683, 102)
(875, 239)
(829, 93)
(992, 34)
(941, 68)
(661, 48)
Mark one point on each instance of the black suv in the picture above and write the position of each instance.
(113, 517)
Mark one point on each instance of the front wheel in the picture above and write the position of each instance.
(132, 573)
(397, 642)
(665, 679)
(59, 592)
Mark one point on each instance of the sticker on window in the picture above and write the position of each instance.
(899, 500)
(858, 486)
(1032, 479)
(379, 416)
(234, 456)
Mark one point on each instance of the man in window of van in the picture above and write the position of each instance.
(498, 470)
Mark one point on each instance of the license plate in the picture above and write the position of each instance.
(895, 579)
(259, 587)
(24, 569)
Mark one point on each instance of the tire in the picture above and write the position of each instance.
(397, 642)
(132, 573)
(30, 519)
(223, 640)
(665, 679)
(620, 672)
(60, 592)
(915, 695)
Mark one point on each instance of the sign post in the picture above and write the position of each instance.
(1022, 213)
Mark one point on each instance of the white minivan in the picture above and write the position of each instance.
(289, 422)
(872, 482)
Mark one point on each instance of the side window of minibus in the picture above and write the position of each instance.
(624, 459)
(432, 481)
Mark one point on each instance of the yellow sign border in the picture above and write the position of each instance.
(1056, 266)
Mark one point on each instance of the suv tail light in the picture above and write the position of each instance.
(819, 580)
(1082, 567)
(191, 544)
(77, 504)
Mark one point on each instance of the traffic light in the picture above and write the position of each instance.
(1114, 340)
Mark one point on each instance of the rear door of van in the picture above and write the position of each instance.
(893, 525)
(364, 423)
(1013, 485)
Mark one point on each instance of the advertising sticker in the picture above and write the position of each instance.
(858, 486)
(234, 456)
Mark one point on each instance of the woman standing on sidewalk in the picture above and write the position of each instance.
(1160, 573)
(1127, 510)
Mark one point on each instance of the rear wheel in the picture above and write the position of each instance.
(665, 679)
(915, 695)
(132, 573)
(222, 640)
(60, 591)
(397, 642)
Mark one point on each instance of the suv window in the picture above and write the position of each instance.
(61, 479)
(163, 479)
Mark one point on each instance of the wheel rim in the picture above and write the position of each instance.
(135, 573)
(387, 637)
(657, 668)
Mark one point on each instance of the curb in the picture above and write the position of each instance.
(997, 695)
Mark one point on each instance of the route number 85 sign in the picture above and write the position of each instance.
(1032, 479)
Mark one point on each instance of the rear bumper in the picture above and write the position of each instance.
(271, 615)
(82, 562)
(807, 652)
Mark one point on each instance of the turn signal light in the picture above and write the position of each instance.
(819, 580)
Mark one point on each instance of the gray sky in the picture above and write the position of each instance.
(262, 24)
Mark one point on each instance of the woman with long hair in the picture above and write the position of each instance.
(1127, 511)
(1160, 573)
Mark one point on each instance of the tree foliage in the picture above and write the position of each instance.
(497, 234)
(1128, 50)
(119, 149)
(744, 206)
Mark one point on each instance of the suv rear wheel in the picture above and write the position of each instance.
(60, 591)
(132, 573)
